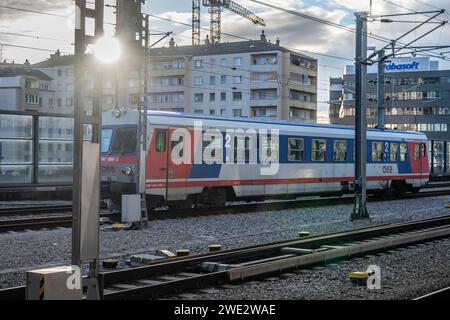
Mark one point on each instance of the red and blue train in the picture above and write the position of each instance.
(201, 160)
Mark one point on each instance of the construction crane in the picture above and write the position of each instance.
(215, 9)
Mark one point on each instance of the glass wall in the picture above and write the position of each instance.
(55, 150)
(16, 149)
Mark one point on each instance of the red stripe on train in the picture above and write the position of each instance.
(223, 183)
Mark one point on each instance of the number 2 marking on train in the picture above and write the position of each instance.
(228, 141)
(386, 147)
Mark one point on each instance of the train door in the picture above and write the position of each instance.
(416, 162)
(165, 176)
(157, 172)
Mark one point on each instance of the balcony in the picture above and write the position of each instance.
(303, 104)
(160, 89)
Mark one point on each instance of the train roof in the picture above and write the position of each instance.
(288, 125)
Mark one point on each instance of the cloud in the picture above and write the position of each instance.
(35, 5)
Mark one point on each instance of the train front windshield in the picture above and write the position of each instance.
(106, 139)
(123, 141)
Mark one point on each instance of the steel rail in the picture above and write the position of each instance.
(180, 274)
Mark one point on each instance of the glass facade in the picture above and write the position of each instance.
(53, 157)
(55, 150)
(16, 149)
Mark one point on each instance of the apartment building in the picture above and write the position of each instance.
(255, 79)
(25, 89)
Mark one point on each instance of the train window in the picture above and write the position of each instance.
(424, 150)
(106, 139)
(296, 149)
(161, 141)
(377, 151)
(125, 141)
(403, 152)
(340, 150)
(393, 152)
(319, 150)
(270, 149)
(417, 152)
(242, 149)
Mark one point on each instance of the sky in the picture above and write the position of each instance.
(296, 33)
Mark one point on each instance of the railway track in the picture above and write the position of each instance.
(63, 221)
(172, 276)
(23, 211)
(443, 294)
(39, 223)
(180, 274)
(281, 205)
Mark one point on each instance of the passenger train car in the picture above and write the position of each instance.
(203, 160)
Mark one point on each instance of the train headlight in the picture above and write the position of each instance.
(117, 113)
(128, 171)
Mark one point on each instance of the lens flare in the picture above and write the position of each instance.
(108, 50)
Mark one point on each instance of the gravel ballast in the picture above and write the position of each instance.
(29, 250)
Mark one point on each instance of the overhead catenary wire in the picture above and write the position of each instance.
(336, 25)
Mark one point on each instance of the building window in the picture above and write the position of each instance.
(237, 96)
(69, 102)
(212, 112)
(223, 96)
(32, 99)
(224, 62)
(198, 81)
(237, 113)
(223, 79)
(59, 102)
(212, 80)
(212, 96)
(238, 61)
(269, 59)
(393, 152)
(60, 73)
(223, 112)
(319, 150)
(133, 99)
(340, 150)
(296, 149)
(198, 64)
(264, 76)
(237, 80)
(198, 97)
(403, 152)
(377, 151)
(133, 83)
(198, 111)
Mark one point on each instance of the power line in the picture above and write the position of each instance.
(30, 48)
(34, 11)
(34, 37)
(336, 25)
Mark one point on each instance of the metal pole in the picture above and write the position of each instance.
(360, 208)
(381, 90)
(86, 178)
(78, 132)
